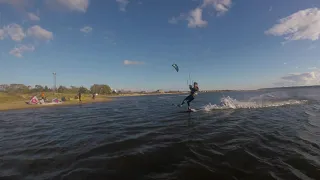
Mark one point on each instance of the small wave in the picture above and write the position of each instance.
(229, 103)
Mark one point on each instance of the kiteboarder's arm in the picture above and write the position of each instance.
(193, 88)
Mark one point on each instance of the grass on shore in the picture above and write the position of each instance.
(10, 101)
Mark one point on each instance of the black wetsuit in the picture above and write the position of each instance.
(191, 96)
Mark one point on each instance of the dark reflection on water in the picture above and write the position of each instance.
(147, 138)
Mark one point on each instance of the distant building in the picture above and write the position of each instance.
(124, 91)
(3, 87)
(160, 91)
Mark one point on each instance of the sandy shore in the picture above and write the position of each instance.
(22, 105)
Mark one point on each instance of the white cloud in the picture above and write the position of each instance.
(173, 20)
(221, 6)
(270, 9)
(302, 25)
(33, 17)
(14, 31)
(128, 62)
(195, 19)
(18, 51)
(40, 33)
(86, 29)
(123, 4)
(312, 68)
(72, 5)
(302, 79)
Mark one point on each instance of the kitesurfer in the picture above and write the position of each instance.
(193, 92)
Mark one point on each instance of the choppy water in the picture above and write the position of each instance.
(250, 135)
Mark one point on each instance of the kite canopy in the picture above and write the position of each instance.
(175, 66)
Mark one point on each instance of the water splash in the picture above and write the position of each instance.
(229, 103)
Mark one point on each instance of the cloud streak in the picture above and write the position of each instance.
(71, 5)
(302, 25)
(301, 79)
(123, 4)
(18, 51)
(39, 33)
(129, 62)
(33, 17)
(86, 29)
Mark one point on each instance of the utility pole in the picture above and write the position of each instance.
(54, 82)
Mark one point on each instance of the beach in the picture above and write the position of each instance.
(22, 105)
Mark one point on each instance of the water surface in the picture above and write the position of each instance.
(236, 135)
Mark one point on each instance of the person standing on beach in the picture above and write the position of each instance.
(43, 96)
(79, 96)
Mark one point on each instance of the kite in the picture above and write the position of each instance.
(175, 66)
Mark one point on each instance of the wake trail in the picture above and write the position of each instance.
(229, 103)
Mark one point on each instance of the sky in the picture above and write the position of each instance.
(131, 44)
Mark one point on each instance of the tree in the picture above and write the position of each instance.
(62, 89)
(74, 89)
(46, 89)
(83, 90)
(105, 89)
(100, 89)
(94, 88)
(39, 88)
(18, 88)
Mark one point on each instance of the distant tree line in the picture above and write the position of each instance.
(21, 88)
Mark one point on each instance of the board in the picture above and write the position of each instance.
(192, 110)
(188, 111)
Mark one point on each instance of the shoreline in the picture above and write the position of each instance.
(20, 104)
(137, 94)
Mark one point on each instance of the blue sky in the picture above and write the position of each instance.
(224, 44)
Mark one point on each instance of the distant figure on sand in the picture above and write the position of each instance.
(43, 96)
(79, 96)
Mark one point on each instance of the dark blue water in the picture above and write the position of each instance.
(251, 135)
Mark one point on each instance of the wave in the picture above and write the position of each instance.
(229, 103)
